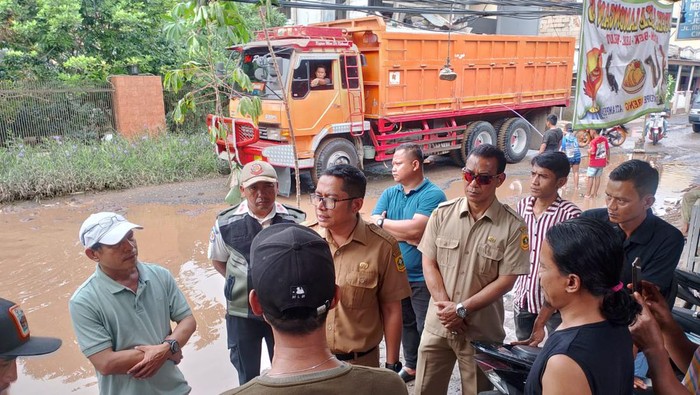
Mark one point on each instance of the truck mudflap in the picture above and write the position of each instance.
(246, 132)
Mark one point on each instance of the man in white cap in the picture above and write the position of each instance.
(16, 341)
(122, 314)
(229, 251)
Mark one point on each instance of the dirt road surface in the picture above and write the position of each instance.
(43, 262)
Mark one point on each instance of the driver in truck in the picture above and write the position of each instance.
(320, 79)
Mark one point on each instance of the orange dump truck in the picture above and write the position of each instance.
(357, 89)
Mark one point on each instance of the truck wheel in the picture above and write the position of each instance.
(480, 132)
(696, 127)
(514, 139)
(334, 151)
(456, 154)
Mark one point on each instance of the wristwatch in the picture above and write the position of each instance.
(396, 367)
(380, 222)
(174, 345)
(461, 310)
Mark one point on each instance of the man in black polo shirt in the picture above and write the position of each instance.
(629, 196)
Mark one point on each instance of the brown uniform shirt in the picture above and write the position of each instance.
(472, 254)
(370, 271)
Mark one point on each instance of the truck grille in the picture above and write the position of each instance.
(244, 133)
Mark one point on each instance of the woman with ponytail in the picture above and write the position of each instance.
(591, 351)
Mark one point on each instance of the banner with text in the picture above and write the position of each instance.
(689, 22)
(623, 61)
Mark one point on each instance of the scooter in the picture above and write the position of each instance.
(506, 366)
(656, 127)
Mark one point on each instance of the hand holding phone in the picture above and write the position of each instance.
(636, 275)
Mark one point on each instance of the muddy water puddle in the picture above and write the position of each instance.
(43, 263)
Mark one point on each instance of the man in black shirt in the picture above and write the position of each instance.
(629, 197)
(551, 140)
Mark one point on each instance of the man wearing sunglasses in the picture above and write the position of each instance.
(403, 211)
(229, 251)
(473, 250)
(369, 270)
(122, 314)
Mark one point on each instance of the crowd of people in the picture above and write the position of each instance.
(422, 272)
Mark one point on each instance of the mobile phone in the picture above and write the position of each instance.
(636, 275)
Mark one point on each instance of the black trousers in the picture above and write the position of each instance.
(245, 337)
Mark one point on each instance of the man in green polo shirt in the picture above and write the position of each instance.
(122, 314)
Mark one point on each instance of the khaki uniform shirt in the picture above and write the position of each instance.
(370, 271)
(472, 254)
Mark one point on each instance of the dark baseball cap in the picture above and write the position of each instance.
(292, 266)
(15, 340)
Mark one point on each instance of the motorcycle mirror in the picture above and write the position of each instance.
(446, 74)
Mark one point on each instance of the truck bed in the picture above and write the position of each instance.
(494, 72)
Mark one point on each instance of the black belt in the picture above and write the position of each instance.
(353, 355)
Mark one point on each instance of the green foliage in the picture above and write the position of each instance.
(43, 36)
(670, 89)
(60, 167)
(207, 28)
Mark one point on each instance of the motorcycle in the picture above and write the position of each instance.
(616, 135)
(655, 128)
(506, 366)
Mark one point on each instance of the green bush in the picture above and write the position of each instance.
(62, 167)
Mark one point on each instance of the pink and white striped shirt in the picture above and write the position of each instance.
(527, 287)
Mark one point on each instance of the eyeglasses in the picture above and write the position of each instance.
(105, 224)
(328, 202)
(481, 179)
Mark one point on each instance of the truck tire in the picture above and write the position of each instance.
(334, 151)
(514, 139)
(696, 127)
(477, 133)
(456, 154)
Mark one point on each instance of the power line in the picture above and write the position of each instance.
(548, 8)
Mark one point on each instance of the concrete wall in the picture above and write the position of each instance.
(138, 104)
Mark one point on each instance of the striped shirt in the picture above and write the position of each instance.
(527, 287)
(691, 380)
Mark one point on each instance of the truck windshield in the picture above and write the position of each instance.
(258, 64)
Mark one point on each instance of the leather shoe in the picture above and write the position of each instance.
(406, 377)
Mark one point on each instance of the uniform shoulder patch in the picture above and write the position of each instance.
(400, 265)
(524, 239)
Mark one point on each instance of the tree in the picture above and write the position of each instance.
(212, 73)
(48, 39)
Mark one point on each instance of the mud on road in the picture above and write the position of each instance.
(43, 263)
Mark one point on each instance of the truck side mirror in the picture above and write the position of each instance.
(446, 74)
(363, 60)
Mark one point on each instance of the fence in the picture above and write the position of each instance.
(32, 111)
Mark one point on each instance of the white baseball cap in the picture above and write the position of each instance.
(105, 228)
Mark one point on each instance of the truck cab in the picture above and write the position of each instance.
(319, 72)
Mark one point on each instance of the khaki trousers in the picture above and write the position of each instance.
(437, 356)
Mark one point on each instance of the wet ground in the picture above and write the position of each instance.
(43, 263)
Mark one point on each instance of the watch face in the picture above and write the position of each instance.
(174, 346)
(461, 312)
